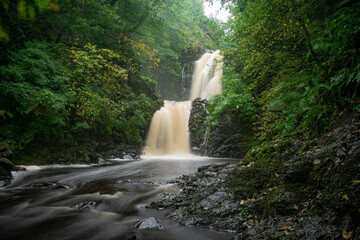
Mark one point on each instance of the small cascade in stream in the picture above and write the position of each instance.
(168, 134)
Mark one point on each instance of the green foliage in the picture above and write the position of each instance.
(102, 98)
(33, 93)
(291, 91)
(25, 10)
(42, 97)
(139, 110)
(235, 98)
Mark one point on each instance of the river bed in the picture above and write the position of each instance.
(97, 201)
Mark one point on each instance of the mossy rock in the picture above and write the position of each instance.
(3, 147)
(5, 167)
(6, 163)
(4, 172)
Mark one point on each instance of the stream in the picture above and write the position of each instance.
(97, 201)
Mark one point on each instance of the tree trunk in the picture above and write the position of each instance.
(307, 36)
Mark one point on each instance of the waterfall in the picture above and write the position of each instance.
(206, 78)
(168, 132)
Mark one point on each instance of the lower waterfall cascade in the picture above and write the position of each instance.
(168, 133)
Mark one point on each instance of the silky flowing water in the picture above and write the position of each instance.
(105, 201)
(168, 134)
(96, 202)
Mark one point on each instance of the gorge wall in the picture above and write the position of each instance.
(229, 138)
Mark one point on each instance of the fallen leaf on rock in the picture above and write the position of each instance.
(285, 228)
(275, 236)
(346, 197)
(346, 235)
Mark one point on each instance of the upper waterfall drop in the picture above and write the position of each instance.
(207, 74)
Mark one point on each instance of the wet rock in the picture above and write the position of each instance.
(148, 223)
(342, 151)
(229, 138)
(86, 149)
(204, 200)
(283, 203)
(198, 126)
(297, 170)
(6, 166)
(101, 160)
(46, 186)
(85, 205)
(123, 152)
(20, 168)
(132, 237)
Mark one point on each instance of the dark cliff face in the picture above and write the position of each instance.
(229, 138)
(198, 126)
(186, 80)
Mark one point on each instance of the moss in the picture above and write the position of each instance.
(329, 175)
(3, 146)
(6, 162)
(5, 167)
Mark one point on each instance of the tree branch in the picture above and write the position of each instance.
(307, 36)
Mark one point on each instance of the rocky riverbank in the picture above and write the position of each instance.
(286, 190)
(87, 150)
